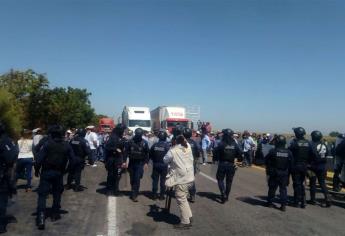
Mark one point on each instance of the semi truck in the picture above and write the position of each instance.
(136, 117)
(106, 125)
(165, 117)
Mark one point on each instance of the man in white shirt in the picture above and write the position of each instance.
(92, 139)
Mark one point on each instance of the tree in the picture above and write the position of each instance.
(10, 113)
(29, 89)
(70, 107)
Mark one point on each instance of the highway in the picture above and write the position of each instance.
(92, 212)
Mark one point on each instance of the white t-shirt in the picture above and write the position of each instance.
(25, 148)
(91, 138)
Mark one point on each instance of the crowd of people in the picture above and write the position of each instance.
(175, 159)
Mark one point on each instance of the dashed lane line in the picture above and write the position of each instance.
(208, 177)
(112, 221)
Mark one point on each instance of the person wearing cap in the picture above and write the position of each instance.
(92, 138)
(25, 158)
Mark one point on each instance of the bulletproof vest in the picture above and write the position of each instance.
(302, 152)
(281, 160)
(193, 147)
(78, 147)
(229, 153)
(321, 151)
(137, 151)
(160, 150)
(56, 156)
(8, 152)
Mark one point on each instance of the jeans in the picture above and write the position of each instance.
(93, 156)
(3, 207)
(25, 165)
(248, 158)
(204, 156)
(50, 180)
(181, 193)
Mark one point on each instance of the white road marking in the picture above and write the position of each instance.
(208, 177)
(112, 223)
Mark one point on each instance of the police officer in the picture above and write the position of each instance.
(318, 168)
(8, 157)
(81, 149)
(339, 161)
(51, 165)
(160, 169)
(227, 151)
(278, 162)
(138, 153)
(115, 159)
(302, 152)
(187, 133)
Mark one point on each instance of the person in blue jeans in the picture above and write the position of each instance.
(25, 159)
(205, 144)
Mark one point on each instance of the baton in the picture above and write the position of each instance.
(168, 200)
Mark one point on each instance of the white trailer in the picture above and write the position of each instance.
(136, 117)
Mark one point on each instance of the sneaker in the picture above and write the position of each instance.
(204, 164)
(94, 165)
(87, 164)
(311, 202)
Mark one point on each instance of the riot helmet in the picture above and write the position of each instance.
(80, 132)
(299, 132)
(56, 131)
(119, 130)
(227, 132)
(280, 141)
(162, 135)
(178, 130)
(187, 133)
(316, 136)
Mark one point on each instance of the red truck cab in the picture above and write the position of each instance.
(106, 125)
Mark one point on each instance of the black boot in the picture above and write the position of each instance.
(154, 196)
(162, 197)
(283, 207)
(222, 198)
(78, 188)
(41, 220)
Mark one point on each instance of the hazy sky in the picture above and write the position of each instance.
(265, 65)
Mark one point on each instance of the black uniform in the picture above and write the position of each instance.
(278, 163)
(81, 150)
(302, 152)
(318, 171)
(196, 155)
(340, 155)
(8, 157)
(52, 161)
(138, 153)
(115, 158)
(160, 169)
(226, 154)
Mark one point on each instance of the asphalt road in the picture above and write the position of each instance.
(92, 212)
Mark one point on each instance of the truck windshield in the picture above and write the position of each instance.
(175, 123)
(140, 123)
